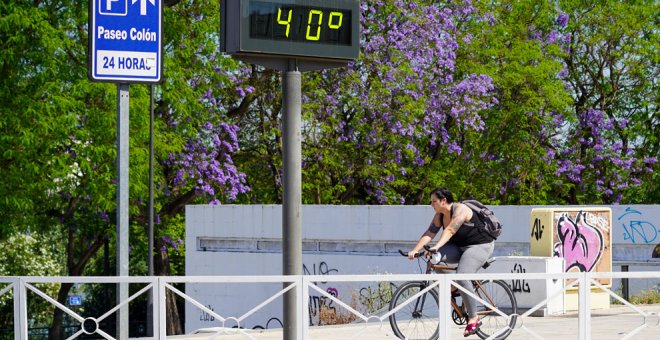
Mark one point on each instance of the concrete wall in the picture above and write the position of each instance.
(246, 240)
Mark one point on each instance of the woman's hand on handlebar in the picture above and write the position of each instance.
(430, 250)
(411, 254)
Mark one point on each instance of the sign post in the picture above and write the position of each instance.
(125, 46)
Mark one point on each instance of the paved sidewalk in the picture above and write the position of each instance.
(614, 323)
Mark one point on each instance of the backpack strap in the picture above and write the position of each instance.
(468, 223)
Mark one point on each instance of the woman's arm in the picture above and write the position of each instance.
(461, 214)
(427, 237)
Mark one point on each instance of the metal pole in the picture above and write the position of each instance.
(122, 206)
(624, 284)
(151, 181)
(292, 195)
(150, 313)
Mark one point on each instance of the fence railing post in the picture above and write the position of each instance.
(303, 302)
(155, 307)
(584, 306)
(20, 310)
(162, 308)
(444, 304)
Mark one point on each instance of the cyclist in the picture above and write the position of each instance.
(460, 242)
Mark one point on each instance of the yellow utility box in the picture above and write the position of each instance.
(582, 237)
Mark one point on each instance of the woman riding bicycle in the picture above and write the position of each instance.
(460, 242)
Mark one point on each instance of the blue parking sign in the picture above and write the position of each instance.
(75, 300)
(125, 40)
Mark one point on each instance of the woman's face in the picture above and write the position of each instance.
(436, 202)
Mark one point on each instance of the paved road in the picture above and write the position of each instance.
(616, 322)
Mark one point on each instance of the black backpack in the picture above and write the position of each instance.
(490, 224)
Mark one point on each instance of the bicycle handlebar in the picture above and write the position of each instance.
(427, 248)
(403, 253)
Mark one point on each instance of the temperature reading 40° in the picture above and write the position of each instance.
(315, 22)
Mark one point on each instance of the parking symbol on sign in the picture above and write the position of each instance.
(113, 7)
(75, 300)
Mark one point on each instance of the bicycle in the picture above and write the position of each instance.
(419, 319)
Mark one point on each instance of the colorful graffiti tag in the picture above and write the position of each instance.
(636, 229)
(580, 244)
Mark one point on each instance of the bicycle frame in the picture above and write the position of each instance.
(485, 296)
(459, 313)
(430, 267)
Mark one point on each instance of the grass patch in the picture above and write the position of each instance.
(645, 297)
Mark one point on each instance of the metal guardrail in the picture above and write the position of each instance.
(302, 285)
(625, 264)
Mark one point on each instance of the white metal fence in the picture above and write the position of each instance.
(303, 285)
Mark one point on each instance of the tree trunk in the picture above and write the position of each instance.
(74, 269)
(173, 320)
(55, 332)
(162, 268)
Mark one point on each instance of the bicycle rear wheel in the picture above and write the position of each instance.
(498, 294)
(418, 317)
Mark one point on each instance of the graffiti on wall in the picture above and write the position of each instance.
(583, 239)
(537, 229)
(636, 228)
(519, 286)
(320, 306)
(204, 316)
(323, 310)
(580, 244)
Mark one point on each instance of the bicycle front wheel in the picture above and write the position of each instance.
(418, 317)
(497, 321)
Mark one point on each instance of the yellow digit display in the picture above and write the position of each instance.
(310, 17)
(286, 22)
(339, 15)
(274, 20)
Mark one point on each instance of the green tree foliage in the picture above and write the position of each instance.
(30, 255)
(58, 132)
(612, 68)
(507, 162)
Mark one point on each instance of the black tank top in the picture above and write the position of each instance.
(469, 233)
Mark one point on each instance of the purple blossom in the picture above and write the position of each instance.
(650, 160)
(104, 216)
(562, 20)
(206, 162)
